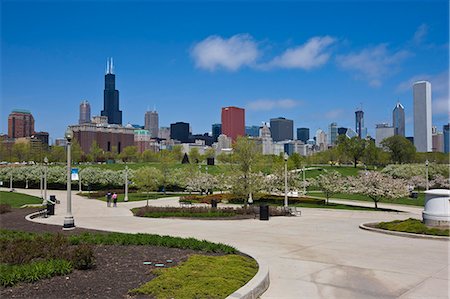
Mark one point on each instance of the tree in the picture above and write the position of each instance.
(147, 179)
(329, 183)
(177, 153)
(76, 152)
(95, 151)
(150, 156)
(377, 186)
(352, 148)
(372, 154)
(296, 160)
(21, 151)
(400, 149)
(130, 153)
(57, 154)
(194, 155)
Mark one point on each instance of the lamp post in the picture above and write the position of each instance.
(285, 181)
(304, 181)
(426, 172)
(41, 183)
(126, 183)
(11, 181)
(45, 179)
(68, 220)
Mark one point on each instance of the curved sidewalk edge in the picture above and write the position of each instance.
(256, 286)
(366, 226)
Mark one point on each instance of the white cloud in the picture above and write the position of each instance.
(333, 114)
(267, 104)
(310, 55)
(420, 34)
(373, 64)
(441, 106)
(216, 52)
(439, 82)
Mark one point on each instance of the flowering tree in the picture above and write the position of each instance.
(330, 183)
(147, 179)
(440, 182)
(376, 186)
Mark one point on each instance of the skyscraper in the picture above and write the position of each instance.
(446, 132)
(85, 112)
(216, 131)
(383, 131)
(180, 131)
(359, 123)
(422, 116)
(252, 131)
(303, 134)
(111, 96)
(398, 119)
(20, 124)
(332, 133)
(151, 123)
(282, 129)
(233, 122)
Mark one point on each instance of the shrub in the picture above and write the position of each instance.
(412, 226)
(82, 257)
(5, 208)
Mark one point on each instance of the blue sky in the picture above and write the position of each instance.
(313, 62)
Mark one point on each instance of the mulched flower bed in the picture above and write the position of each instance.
(118, 268)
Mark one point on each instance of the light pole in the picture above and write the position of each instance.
(41, 183)
(45, 179)
(68, 220)
(11, 181)
(426, 172)
(126, 183)
(304, 181)
(285, 181)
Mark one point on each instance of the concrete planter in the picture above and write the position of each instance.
(437, 207)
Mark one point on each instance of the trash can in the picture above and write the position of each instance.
(51, 205)
(264, 212)
(214, 204)
(414, 194)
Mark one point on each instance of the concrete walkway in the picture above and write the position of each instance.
(322, 254)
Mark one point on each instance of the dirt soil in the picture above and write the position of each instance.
(118, 268)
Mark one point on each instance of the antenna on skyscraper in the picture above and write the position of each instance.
(112, 66)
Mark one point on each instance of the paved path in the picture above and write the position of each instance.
(322, 254)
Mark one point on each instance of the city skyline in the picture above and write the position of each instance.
(314, 77)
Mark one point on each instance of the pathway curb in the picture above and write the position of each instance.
(366, 226)
(256, 286)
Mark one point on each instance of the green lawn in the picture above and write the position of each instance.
(201, 277)
(403, 201)
(414, 226)
(16, 200)
(340, 207)
(141, 196)
(343, 170)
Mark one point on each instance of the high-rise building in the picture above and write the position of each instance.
(111, 96)
(342, 130)
(446, 133)
(332, 133)
(20, 124)
(151, 123)
(398, 119)
(266, 139)
(233, 122)
(85, 112)
(281, 129)
(164, 133)
(383, 131)
(180, 131)
(422, 116)
(216, 131)
(303, 134)
(321, 140)
(252, 131)
(359, 123)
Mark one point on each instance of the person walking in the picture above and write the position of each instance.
(114, 198)
(108, 199)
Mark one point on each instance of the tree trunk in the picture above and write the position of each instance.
(356, 161)
(376, 204)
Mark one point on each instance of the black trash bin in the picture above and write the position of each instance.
(214, 204)
(51, 205)
(264, 212)
(414, 194)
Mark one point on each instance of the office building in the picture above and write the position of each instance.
(43, 137)
(282, 129)
(332, 133)
(20, 124)
(233, 122)
(180, 131)
(216, 131)
(85, 112)
(252, 131)
(321, 140)
(111, 96)
(383, 131)
(398, 120)
(446, 133)
(303, 134)
(151, 123)
(342, 131)
(110, 138)
(266, 140)
(359, 123)
(422, 116)
(164, 133)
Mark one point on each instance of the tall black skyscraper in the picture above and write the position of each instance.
(180, 131)
(111, 96)
(282, 129)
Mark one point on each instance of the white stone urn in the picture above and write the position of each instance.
(437, 207)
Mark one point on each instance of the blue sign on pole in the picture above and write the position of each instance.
(74, 174)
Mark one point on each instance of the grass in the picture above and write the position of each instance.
(12, 274)
(420, 201)
(340, 207)
(141, 196)
(16, 200)
(414, 226)
(201, 277)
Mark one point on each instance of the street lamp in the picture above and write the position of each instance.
(304, 181)
(426, 172)
(126, 183)
(11, 189)
(45, 179)
(68, 220)
(285, 181)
